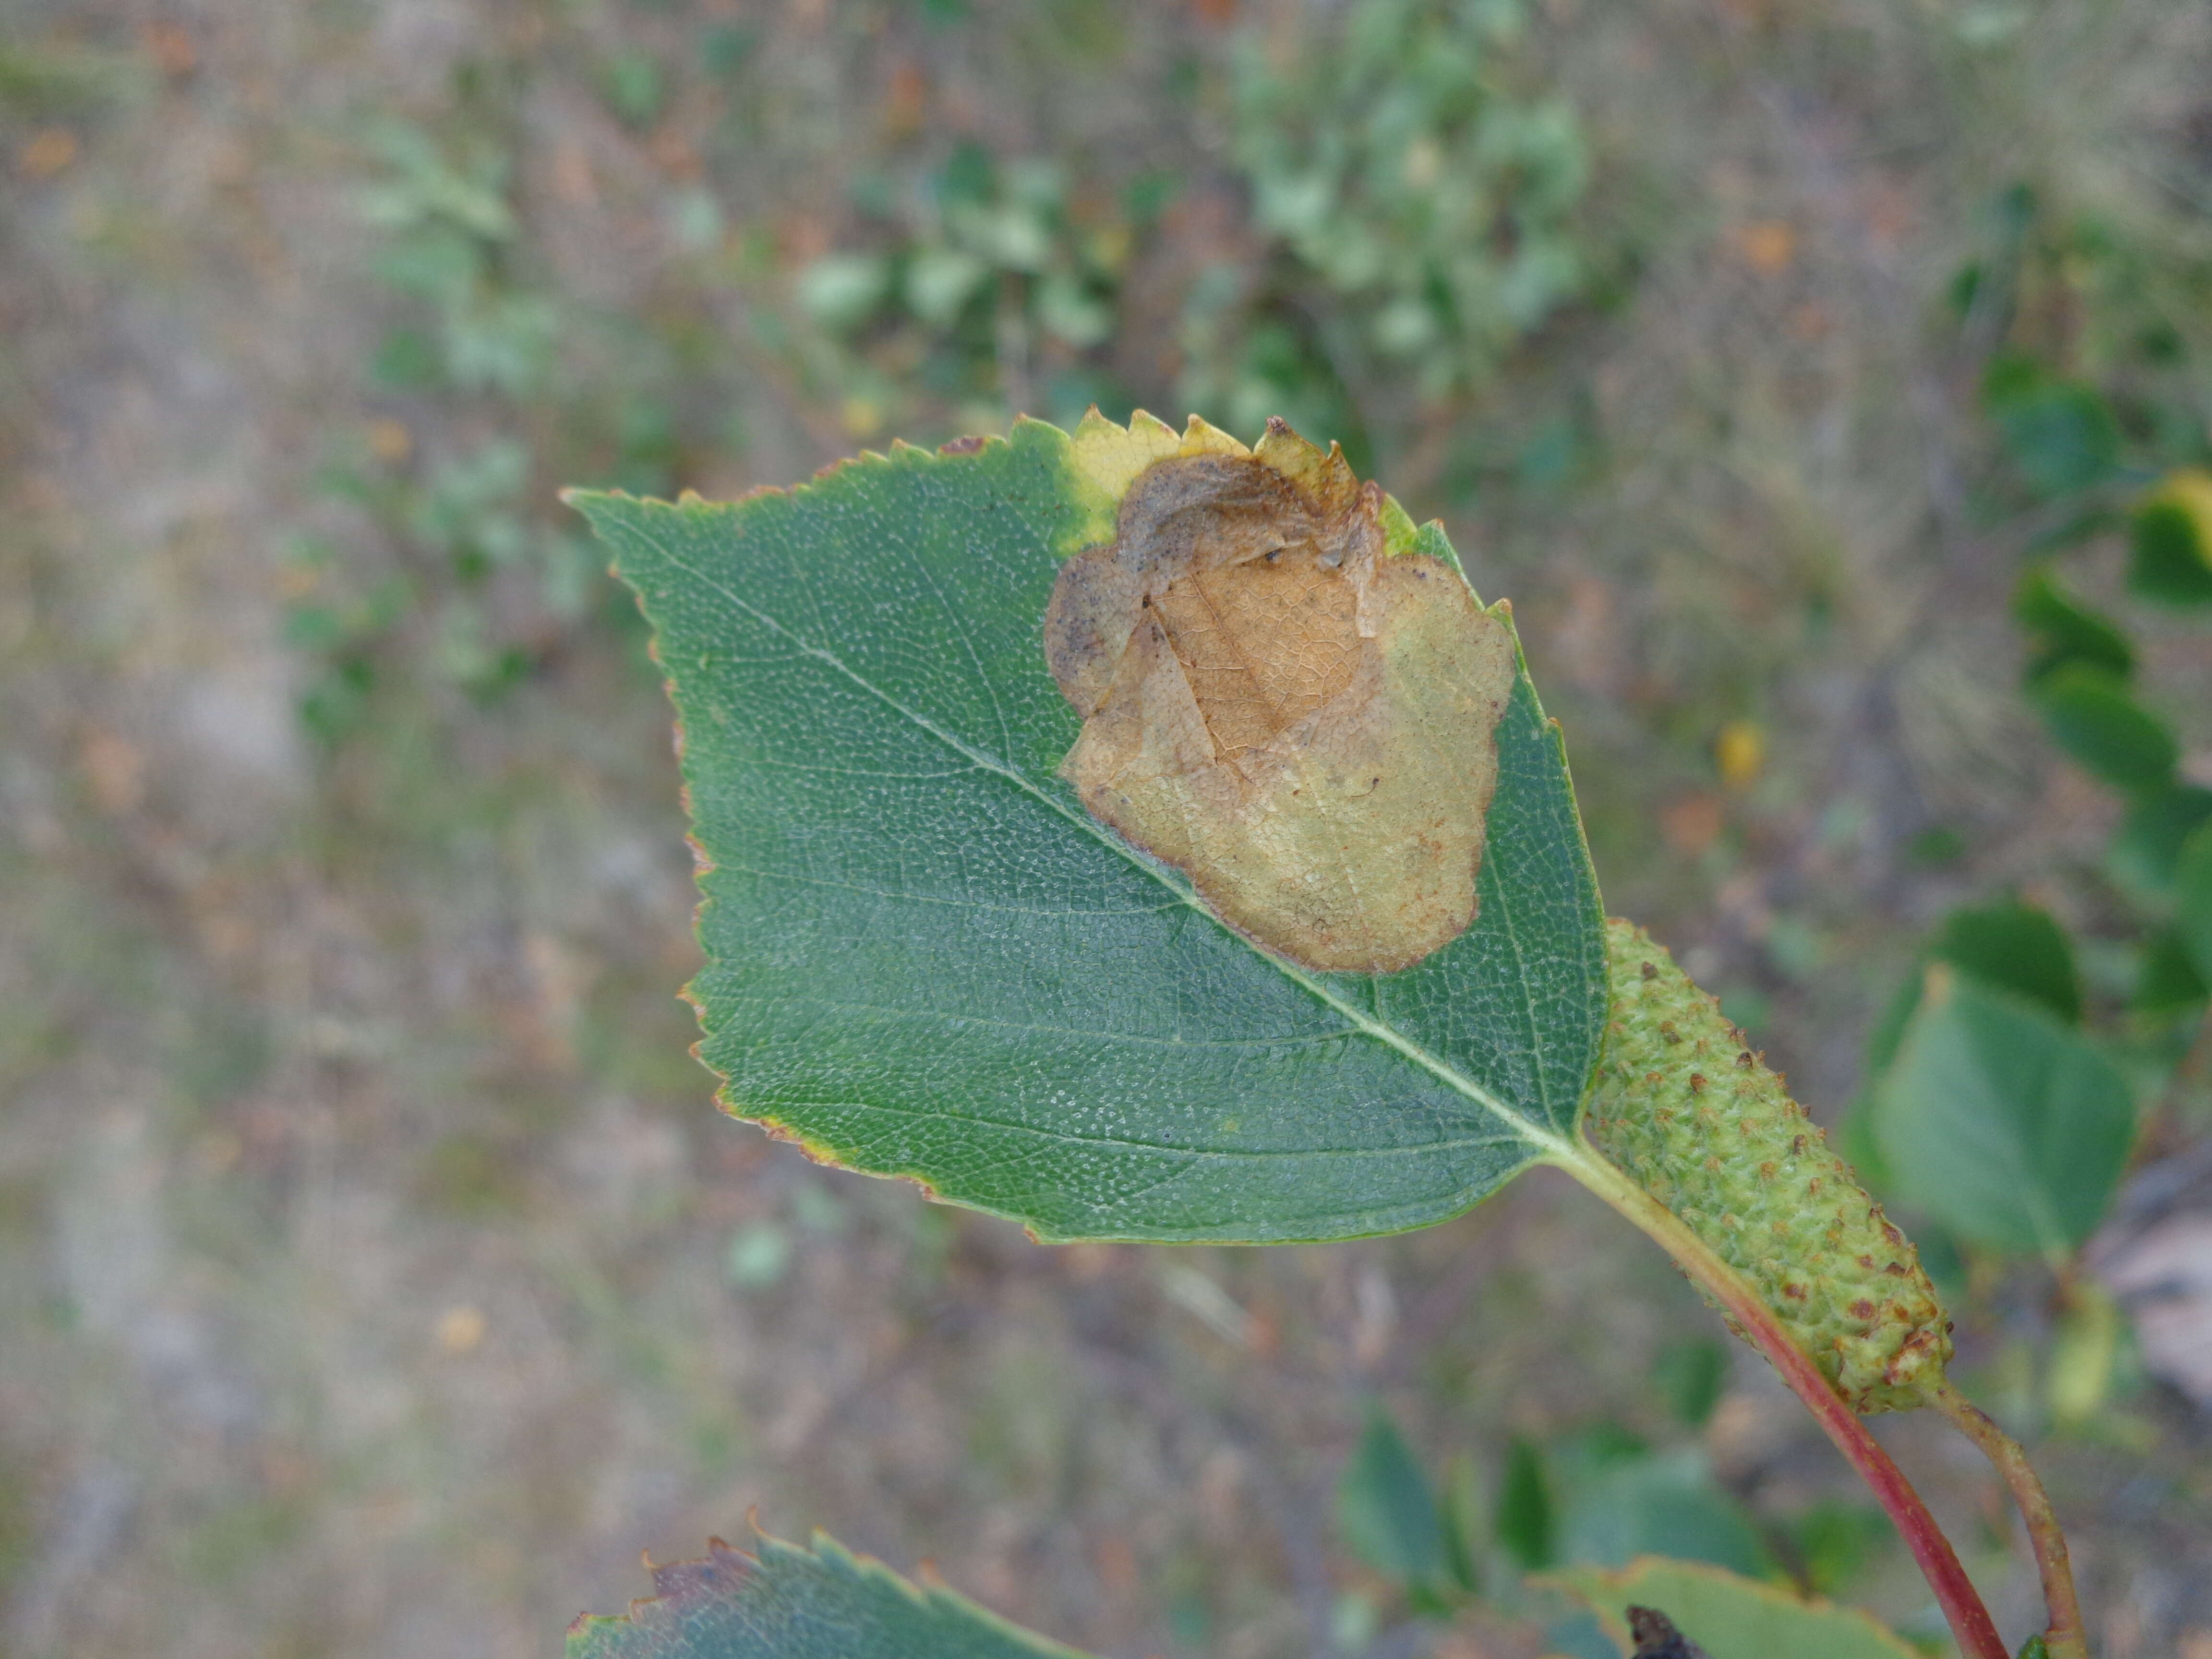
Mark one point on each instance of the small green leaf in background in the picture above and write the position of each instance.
(1658, 1502)
(2192, 896)
(1888, 1032)
(2090, 715)
(2148, 847)
(1729, 1616)
(2084, 1354)
(2061, 630)
(1689, 1376)
(1834, 1541)
(924, 958)
(784, 1601)
(2167, 982)
(2001, 1122)
(633, 86)
(1526, 1527)
(1385, 1511)
(2171, 556)
(1460, 1506)
(2060, 434)
(2018, 947)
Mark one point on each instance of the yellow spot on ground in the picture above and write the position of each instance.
(1769, 245)
(390, 441)
(1740, 752)
(460, 1329)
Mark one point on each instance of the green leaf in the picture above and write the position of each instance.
(784, 1601)
(2167, 982)
(1525, 1524)
(2017, 946)
(2061, 435)
(1643, 1504)
(2085, 1353)
(1727, 1616)
(2192, 899)
(1385, 1511)
(1461, 1509)
(1888, 1032)
(2171, 542)
(2091, 716)
(2060, 630)
(924, 958)
(2003, 1122)
(634, 89)
(2147, 848)
(1689, 1376)
(1835, 1540)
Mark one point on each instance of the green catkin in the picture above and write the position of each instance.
(1687, 1109)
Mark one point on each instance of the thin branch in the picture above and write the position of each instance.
(2067, 1637)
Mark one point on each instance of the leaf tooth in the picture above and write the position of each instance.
(1110, 456)
(1202, 437)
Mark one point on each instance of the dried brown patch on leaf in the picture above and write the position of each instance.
(1302, 724)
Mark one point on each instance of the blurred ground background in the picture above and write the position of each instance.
(375, 1277)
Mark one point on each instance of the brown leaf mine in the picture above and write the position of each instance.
(1302, 724)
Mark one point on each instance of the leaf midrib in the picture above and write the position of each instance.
(1544, 1139)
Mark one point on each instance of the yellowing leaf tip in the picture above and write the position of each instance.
(1109, 457)
(1202, 437)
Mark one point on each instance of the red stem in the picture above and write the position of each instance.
(1975, 1632)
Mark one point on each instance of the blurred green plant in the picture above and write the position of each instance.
(1418, 197)
(489, 375)
(1411, 195)
(2006, 1100)
(1647, 1527)
(450, 238)
(1436, 1544)
(1390, 1518)
(992, 288)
